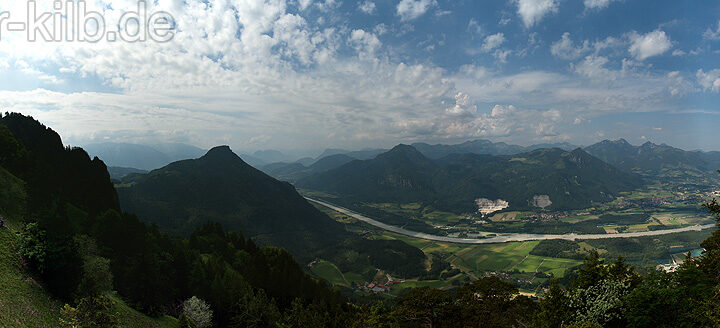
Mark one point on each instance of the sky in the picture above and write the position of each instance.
(311, 74)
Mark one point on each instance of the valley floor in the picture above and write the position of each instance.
(507, 237)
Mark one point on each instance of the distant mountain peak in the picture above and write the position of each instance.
(404, 148)
(620, 141)
(405, 151)
(220, 152)
(648, 144)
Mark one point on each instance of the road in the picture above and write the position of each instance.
(505, 237)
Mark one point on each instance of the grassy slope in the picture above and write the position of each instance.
(22, 302)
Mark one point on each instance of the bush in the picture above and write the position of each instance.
(33, 246)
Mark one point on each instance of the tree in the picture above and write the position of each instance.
(555, 308)
(91, 312)
(198, 311)
(373, 316)
(33, 246)
(591, 272)
(97, 277)
(488, 302)
(600, 303)
(422, 305)
(185, 322)
(255, 310)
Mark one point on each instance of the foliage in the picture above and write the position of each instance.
(198, 311)
(91, 312)
(255, 310)
(422, 305)
(600, 303)
(33, 247)
(97, 279)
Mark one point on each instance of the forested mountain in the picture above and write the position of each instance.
(656, 161)
(144, 157)
(570, 179)
(221, 187)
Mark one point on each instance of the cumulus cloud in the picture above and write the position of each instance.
(712, 33)
(648, 45)
(412, 9)
(493, 41)
(367, 7)
(710, 80)
(532, 11)
(462, 105)
(566, 49)
(365, 43)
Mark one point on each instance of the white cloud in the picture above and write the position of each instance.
(412, 9)
(365, 43)
(566, 49)
(462, 105)
(367, 7)
(711, 34)
(532, 11)
(304, 4)
(678, 52)
(649, 45)
(502, 55)
(474, 27)
(594, 68)
(493, 41)
(710, 80)
(596, 4)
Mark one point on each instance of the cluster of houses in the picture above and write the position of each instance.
(376, 287)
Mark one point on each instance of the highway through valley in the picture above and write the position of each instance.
(504, 237)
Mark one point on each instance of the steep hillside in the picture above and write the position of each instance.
(51, 171)
(25, 303)
(569, 179)
(221, 187)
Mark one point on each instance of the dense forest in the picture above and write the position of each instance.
(81, 246)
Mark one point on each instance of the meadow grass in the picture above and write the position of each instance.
(329, 272)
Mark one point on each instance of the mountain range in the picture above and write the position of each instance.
(570, 179)
(658, 161)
